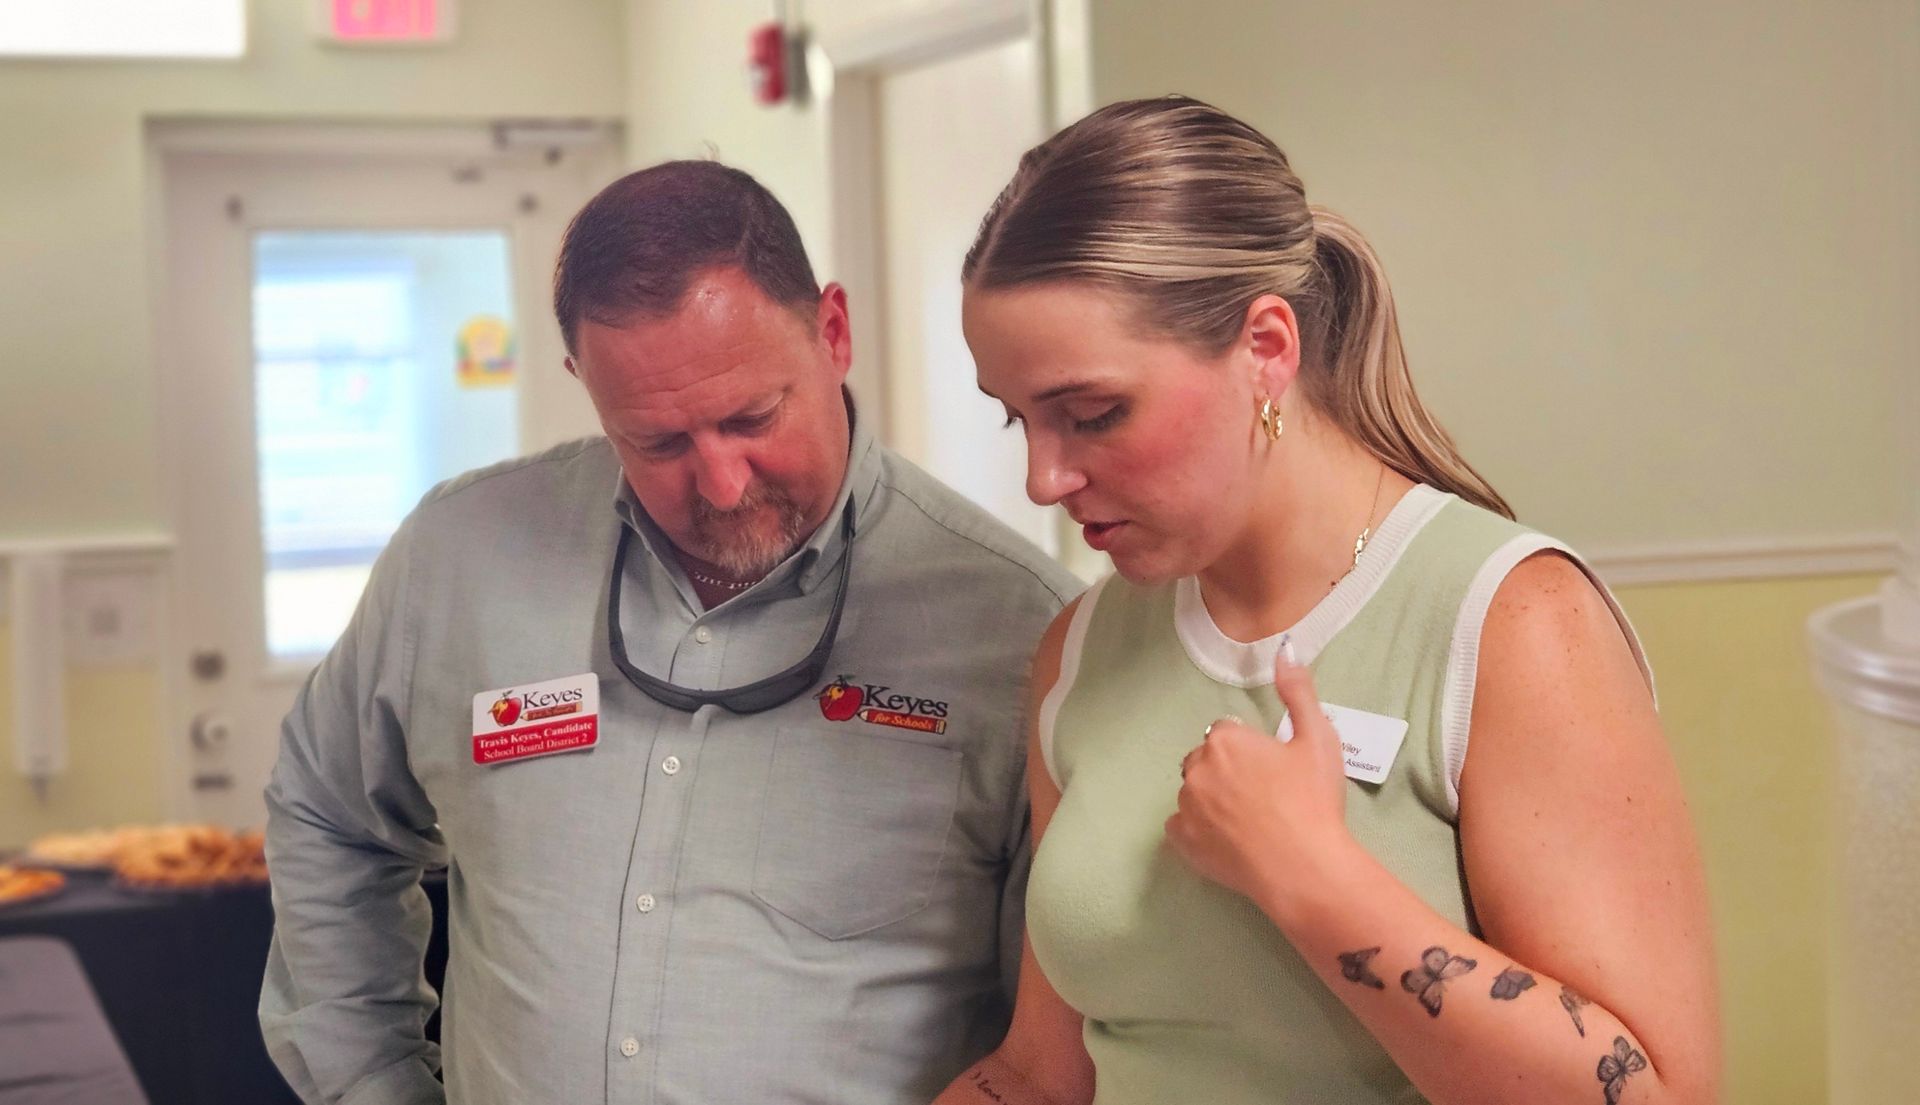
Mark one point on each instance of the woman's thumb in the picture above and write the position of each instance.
(1293, 681)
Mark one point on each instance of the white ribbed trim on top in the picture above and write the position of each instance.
(1069, 671)
(1463, 657)
(1250, 663)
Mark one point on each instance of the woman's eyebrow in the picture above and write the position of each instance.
(1051, 393)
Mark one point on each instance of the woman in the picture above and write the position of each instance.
(1210, 379)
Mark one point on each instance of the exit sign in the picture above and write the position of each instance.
(384, 22)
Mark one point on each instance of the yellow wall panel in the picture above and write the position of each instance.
(114, 769)
(1755, 747)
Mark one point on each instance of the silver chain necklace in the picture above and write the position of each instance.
(719, 584)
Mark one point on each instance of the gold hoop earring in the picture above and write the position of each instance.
(1270, 419)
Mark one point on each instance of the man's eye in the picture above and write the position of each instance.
(751, 423)
(662, 450)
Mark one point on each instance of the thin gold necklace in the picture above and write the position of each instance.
(1366, 534)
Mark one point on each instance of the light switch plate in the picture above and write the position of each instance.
(110, 618)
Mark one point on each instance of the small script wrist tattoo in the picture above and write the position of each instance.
(985, 1087)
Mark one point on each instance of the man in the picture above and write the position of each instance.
(714, 721)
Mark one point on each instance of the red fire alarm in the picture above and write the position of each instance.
(767, 62)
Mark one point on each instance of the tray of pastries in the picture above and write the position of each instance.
(193, 857)
(93, 850)
(19, 885)
(159, 857)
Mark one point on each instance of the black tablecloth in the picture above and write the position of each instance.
(178, 977)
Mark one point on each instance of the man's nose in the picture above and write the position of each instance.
(721, 474)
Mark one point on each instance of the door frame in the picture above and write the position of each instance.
(853, 62)
(846, 67)
(599, 143)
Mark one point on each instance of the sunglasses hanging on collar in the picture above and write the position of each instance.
(764, 694)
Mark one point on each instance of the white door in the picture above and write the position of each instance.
(341, 330)
(949, 135)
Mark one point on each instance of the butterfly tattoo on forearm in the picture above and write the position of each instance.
(1571, 1000)
(1511, 984)
(1354, 968)
(1613, 1069)
(1429, 980)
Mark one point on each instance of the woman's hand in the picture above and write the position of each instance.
(1252, 807)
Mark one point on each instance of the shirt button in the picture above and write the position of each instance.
(703, 634)
(644, 903)
(629, 1047)
(671, 765)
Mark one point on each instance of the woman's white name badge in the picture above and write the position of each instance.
(1368, 742)
(536, 719)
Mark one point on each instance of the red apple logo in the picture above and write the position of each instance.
(506, 711)
(840, 700)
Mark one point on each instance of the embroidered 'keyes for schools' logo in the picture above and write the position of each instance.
(879, 704)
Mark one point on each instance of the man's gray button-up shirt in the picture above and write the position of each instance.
(821, 902)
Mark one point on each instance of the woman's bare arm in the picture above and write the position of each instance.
(1594, 981)
(1043, 1060)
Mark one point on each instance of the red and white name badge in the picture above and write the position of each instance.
(536, 719)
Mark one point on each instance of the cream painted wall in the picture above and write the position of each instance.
(78, 434)
(77, 425)
(1655, 262)
(688, 94)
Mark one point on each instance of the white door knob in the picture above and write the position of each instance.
(210, 732)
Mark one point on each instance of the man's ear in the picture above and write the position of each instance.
(833, 327)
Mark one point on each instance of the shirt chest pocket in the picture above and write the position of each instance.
(854, 830)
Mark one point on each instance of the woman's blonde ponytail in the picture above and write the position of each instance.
(1192, 215)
